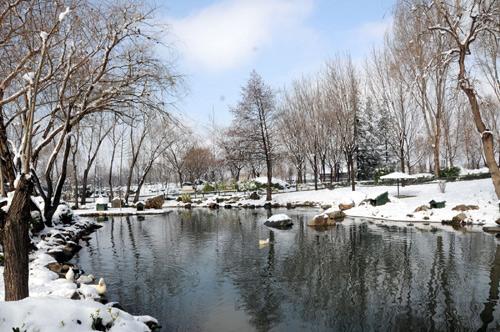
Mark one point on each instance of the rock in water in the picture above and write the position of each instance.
(155, 202)
(254, 196)
(346, 206)
(281, 221)
(328, 218)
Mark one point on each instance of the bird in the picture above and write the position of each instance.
(70, 275)
(263, 243)
(101, 287)
(83, 279)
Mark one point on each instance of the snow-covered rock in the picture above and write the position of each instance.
(279, 221)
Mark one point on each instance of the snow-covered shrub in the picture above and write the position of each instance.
(63, 215)
(36, 222)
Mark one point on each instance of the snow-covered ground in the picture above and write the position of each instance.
(49, 307)
(91, 211)
(474, 192)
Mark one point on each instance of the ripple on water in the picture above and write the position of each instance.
(204, 270)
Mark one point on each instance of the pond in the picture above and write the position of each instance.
(204, 270)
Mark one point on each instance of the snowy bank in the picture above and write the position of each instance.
(50, 290)
(56, 314)
(477, 193)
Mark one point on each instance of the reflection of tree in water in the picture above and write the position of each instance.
(489, 306)
(350, 277)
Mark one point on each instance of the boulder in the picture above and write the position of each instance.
(213, 205)
(329, 217)
(228, 206)
(254, 196)
(326, 206)
(498, 221)
(290, 206)
(155, 202)
(422, 208)
(281, 221)
(268, 205)
(117, 203)
(346, 206)
(335, 215)
(463, 207)
(458, 220)
(321, 220)
(187, 205)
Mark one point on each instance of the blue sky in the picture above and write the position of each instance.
(219, 42)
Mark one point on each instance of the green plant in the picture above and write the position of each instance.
(208, 188)
(186, 198)
(449, 173)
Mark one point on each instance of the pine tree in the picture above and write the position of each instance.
(370, 154)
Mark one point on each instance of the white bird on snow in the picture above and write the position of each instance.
(86, 279)
(70, 275)
(101, 287)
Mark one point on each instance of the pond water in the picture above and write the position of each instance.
(203, 270)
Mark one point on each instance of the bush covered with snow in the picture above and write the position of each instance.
(63, 215)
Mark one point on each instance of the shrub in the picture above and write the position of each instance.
(449, 173)
(186, 198)
(208, 188)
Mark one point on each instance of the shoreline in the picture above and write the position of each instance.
(56, 246)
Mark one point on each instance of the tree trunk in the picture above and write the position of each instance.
(269, 189)
(351, 171)
(179, 173)
(16, 243)
(83, 200)
(75, 180)
(486, 135)
(315, 171)
(436, 143)
(110, 177)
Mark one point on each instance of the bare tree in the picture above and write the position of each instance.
(255, 120)
(342, 95)
(466, 21)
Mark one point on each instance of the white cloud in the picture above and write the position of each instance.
(374, 31)
(229, 32)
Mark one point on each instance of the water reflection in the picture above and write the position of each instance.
(203, 270)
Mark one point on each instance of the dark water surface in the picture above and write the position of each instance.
(203, 270)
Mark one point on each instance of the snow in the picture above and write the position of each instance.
(29, 77)
(63, 14)
(37, 314)
(49, 307)
(396, 176)
(44, 36)
(464, 171)
(263, 180)
(102, 200)
(279, 217)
